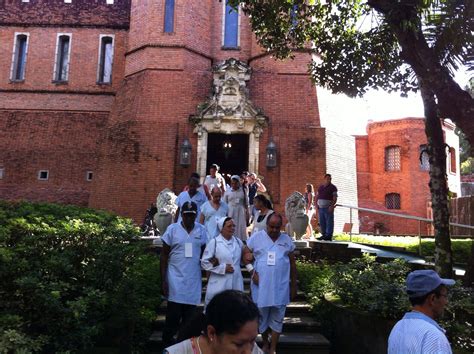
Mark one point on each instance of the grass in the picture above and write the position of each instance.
(461, 247)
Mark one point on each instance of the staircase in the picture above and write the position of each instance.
(300, 331)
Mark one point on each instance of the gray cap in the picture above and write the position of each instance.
(422, 282)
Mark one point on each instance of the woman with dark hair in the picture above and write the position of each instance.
(229, 326)
(310, 209)
(222, 258)
(264, 210)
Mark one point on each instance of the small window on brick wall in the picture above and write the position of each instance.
(89, 175)
(169, 16)
(43, 175)
(424, 158)
(452, 160)
(109, 2)
(20, 50)
(2, 172)
(392, 201)
(392, 158)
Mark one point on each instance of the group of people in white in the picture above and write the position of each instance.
(219, 245)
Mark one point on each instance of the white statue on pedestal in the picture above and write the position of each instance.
(166, 205)
(295, 211)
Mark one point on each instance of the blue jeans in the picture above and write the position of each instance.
(326, 222)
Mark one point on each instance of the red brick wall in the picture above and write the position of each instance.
(64, 143)
(410, 182)
(56, 12)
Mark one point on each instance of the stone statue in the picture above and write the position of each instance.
(166, 205)
(295, 207)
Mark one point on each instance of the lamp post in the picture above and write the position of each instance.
(271, 154)
(185, 153)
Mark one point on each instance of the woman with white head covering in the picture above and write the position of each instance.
(222, 258)
(237, 201)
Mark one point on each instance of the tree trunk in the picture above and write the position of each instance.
(438, 184)
(469, 276)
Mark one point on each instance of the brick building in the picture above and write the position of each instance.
(99, 99)
(393, 174)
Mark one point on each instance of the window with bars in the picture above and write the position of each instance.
(169, 16)
(392, 158)
(106, 56)
(20, 49)
(392, 201)
(424, 158)
(63, 49)
(231, 27)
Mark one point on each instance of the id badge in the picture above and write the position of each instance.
(188, 250)
(271, 258)
(237, 201)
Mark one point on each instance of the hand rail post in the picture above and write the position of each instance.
(350, 222)
(419, 238)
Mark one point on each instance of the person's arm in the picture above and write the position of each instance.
(165, 252)
(293, 276)
(176, 216)
(310, 202)
(207, 262)
(201, 218)
(334, 201)
(206, 190)
(260, 186)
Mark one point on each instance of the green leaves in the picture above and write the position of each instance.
(65, 271)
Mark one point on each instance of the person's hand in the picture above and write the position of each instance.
(214, 261)
(164, 288)
(331, 209)
(255, 278)
(229, 268)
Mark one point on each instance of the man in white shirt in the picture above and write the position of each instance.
(192, 194)
(417, 332)
(275, 269)
(183, 243)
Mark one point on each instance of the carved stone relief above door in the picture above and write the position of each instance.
(229, 111)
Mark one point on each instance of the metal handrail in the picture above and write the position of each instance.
(411, 217)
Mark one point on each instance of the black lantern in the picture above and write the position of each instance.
(185, 153)
(271, 154)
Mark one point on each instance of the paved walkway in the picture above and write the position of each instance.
(380, 252)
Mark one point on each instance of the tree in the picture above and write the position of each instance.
(406, 45)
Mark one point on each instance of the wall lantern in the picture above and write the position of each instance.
(271, 154)
(185, 153)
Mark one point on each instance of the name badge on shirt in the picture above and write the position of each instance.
(237, 201)
(188, 250)
(271, 258)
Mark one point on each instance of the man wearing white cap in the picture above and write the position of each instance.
(417, 331)
(222, 258)
(183, 243)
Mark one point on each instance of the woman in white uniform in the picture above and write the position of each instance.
(237, 200)
(222, 258)
(265, 209)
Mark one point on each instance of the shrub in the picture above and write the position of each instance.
(68, 274)
(379, 289)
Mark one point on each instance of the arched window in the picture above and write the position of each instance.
(231, 27)
(392, 201)
(106, 57)
(169, 16)
(20, 50)
(63, 51)
(392, 158)
(424, 158)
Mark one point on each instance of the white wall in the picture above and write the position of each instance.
(341, 164)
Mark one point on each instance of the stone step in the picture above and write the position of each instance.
(295, 323)
(289, 343)
(294, 308)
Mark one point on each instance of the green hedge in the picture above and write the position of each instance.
(379, 289)
(461, 247)
(72, 278)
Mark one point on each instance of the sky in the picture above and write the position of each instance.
(350, 115)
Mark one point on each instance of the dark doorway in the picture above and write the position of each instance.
(229, 151)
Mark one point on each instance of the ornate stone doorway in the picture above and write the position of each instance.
(230, 112)
(229, 151)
